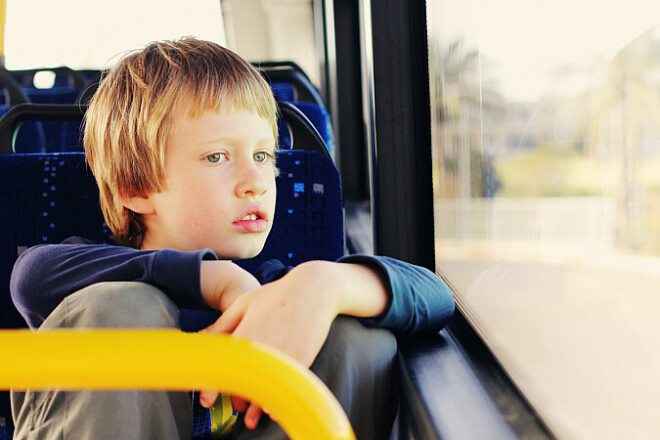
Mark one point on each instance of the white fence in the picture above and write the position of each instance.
(582, 221)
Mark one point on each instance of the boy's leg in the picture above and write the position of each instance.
(358, 365)
(62, 415)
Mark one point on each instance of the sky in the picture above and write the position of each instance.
(91, 33)
(524, 42)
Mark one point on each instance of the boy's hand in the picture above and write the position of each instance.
(223, 281)
(294, 314)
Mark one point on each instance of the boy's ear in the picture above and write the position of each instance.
(137, 204)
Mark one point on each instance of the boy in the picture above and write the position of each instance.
(181, 139)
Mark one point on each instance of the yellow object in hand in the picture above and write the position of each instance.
(223, 417)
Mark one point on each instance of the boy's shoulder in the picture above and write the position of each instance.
(77, 240)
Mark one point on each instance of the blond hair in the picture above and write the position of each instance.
(130, 116)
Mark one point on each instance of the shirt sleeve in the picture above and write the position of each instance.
(46, 274)
(420, 302)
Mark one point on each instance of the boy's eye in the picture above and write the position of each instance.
(262, 156)
(215, 157)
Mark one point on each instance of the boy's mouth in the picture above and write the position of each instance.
(251, 223)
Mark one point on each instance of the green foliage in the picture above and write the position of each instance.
(554, 171)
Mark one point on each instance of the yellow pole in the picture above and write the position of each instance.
(3, 23)
(172, 360)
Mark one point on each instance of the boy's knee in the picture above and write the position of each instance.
(354, 344)
(116, 305)
(358, 364)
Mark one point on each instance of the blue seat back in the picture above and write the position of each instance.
(42, 128)
(54, 95)
(64, 77)
(319, 118)
(31, 137)
(58, 135)
(283, 92)
(44, 198)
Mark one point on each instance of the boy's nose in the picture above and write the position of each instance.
(252, 182)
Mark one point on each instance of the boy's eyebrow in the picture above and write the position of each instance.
(270, 140)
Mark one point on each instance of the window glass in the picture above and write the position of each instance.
(84, 34)
(546, 142)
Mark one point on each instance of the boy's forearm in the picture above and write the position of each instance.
(356, 289)
(222, 281)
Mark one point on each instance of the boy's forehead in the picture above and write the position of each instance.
(193, 104)
(190, 109)
(229, 123)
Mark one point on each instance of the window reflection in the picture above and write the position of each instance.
(546, 127)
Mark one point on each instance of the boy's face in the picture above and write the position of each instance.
(219, 190)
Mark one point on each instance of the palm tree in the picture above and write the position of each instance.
(459, 96)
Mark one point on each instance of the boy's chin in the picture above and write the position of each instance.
(243, 254)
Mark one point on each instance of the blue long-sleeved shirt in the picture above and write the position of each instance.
(46, 274)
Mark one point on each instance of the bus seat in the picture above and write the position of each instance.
(58, 135)
(319, 119)
(65, 136)
(45, 198)
(88, 74)
(12, 92)
(55, 95)
(31, 137)
(283, 92)
(291, 73)
(290, 83)
(282, 64)
(64, 77)
(92, 84)
(47, 135)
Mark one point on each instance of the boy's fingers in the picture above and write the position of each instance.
(226, 323)
(239, 404)
(207, 398)
(252, 416)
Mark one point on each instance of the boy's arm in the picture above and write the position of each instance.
(294, 313)
(44, 275)
(421, 302)
(221, 282)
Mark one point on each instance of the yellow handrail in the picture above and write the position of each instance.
(3, 23)
(172, 360)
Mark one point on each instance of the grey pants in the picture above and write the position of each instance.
(356, 363)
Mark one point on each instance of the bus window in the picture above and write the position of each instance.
(546, 145)
(84, 34)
